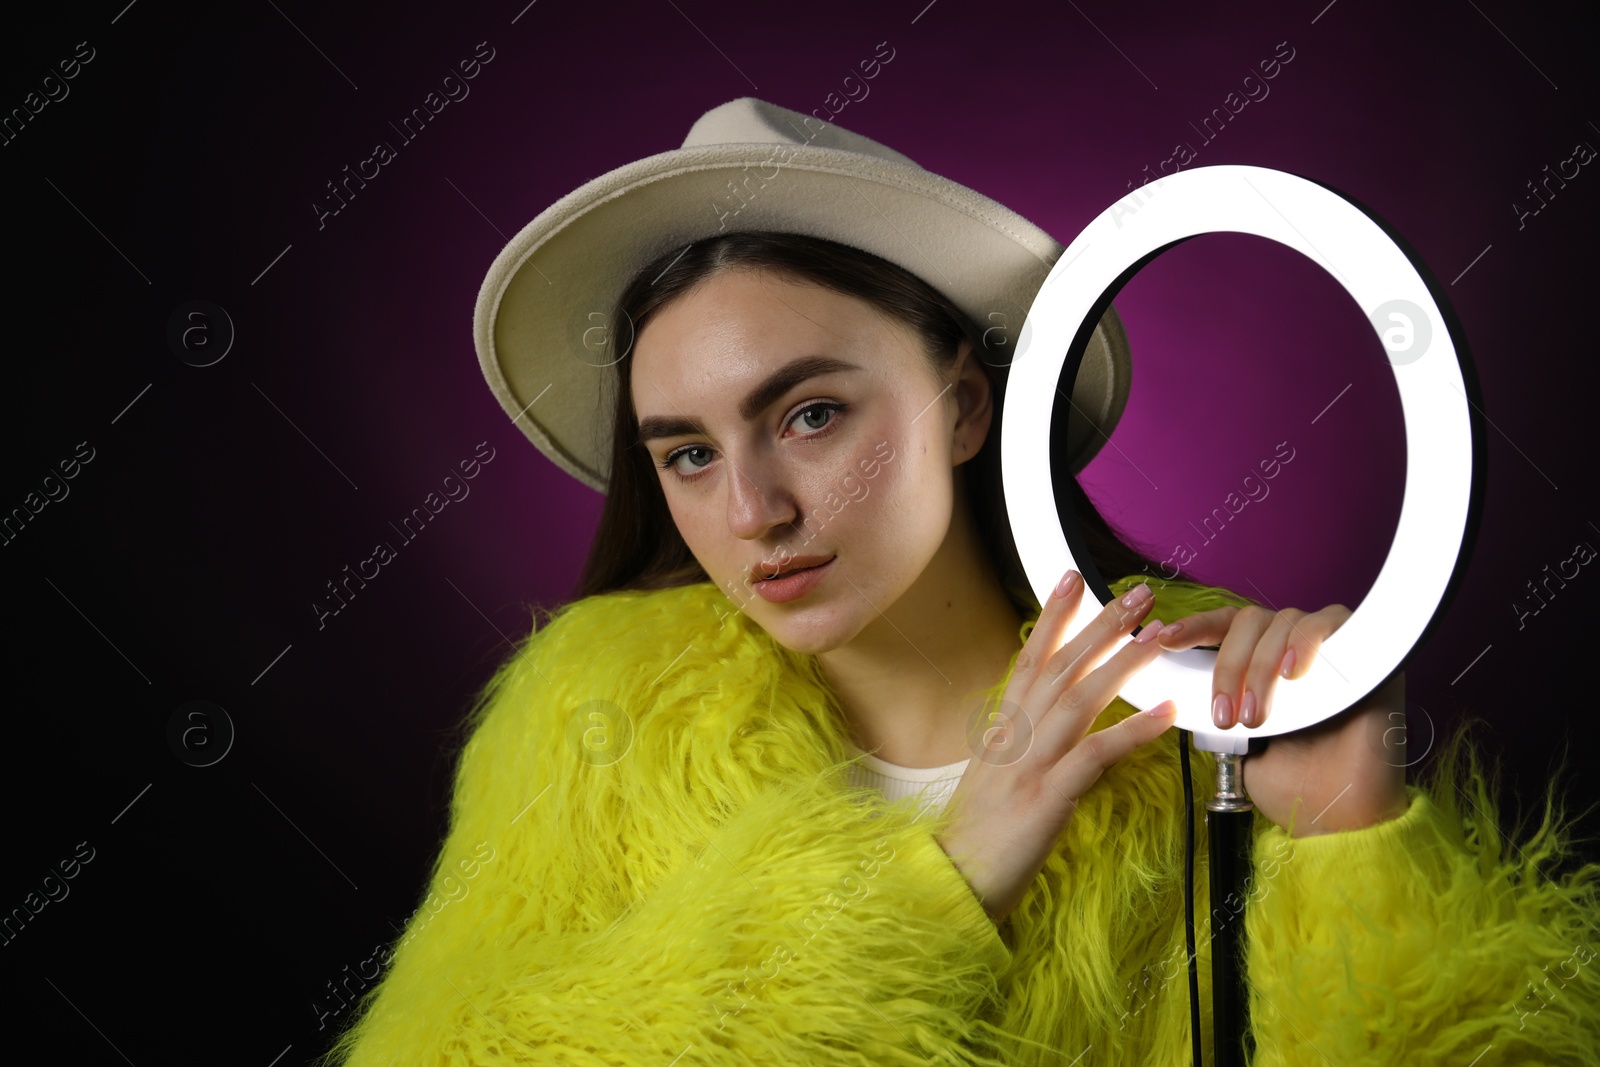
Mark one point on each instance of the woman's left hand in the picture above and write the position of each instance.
(1346, 772)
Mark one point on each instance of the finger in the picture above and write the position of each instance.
(1307, 638)
(1063, 724)
(1201, 628)
(1233, 659)
(1078, 656)
(1262, 675)
(1287, 651)
(1091, 757)
(1046, 636)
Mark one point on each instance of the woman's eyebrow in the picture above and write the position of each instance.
(761, 397)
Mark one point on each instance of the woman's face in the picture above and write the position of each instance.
(779, 455)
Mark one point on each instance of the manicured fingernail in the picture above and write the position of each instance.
(1172, 630)
(1288, 663)
(1149, 632)
(1137, 595)
(1247, 709)
(1067, 583)
(1222, 711)
(1164, 710)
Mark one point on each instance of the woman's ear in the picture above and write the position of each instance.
(974, 404)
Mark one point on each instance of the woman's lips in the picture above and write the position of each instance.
(792, 586)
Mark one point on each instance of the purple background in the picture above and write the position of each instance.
(184, 562)
(1239, 344)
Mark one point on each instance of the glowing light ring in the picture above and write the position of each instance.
(1354, 249)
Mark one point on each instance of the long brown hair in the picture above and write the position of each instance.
(638, 545)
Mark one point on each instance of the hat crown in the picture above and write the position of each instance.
(751, 121)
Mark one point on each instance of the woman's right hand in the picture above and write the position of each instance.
(1038, 757)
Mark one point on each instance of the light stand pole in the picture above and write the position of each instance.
(1229, 818)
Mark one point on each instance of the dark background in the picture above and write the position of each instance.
(183, 165)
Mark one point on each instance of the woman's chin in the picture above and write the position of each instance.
(806, 632)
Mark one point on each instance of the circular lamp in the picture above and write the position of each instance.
(1442, 479)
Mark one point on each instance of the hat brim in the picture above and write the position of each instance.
(544, 310)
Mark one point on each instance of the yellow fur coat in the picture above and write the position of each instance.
(653, 859)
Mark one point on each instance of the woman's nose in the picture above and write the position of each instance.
(758, 500)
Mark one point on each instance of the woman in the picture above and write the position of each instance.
(669, 842)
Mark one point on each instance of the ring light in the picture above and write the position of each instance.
(1341, 238)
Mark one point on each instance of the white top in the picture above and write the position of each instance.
(934, 784)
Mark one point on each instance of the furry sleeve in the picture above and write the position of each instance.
(1431, 938)
(639, 912)
(1427, 939)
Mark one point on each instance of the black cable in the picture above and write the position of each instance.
(1188, 898)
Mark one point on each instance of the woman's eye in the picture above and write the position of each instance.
(823, 409)
(689, 451)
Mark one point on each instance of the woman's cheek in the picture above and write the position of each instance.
(905, 478)
(694, 522)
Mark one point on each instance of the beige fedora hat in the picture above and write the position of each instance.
(542, 322)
